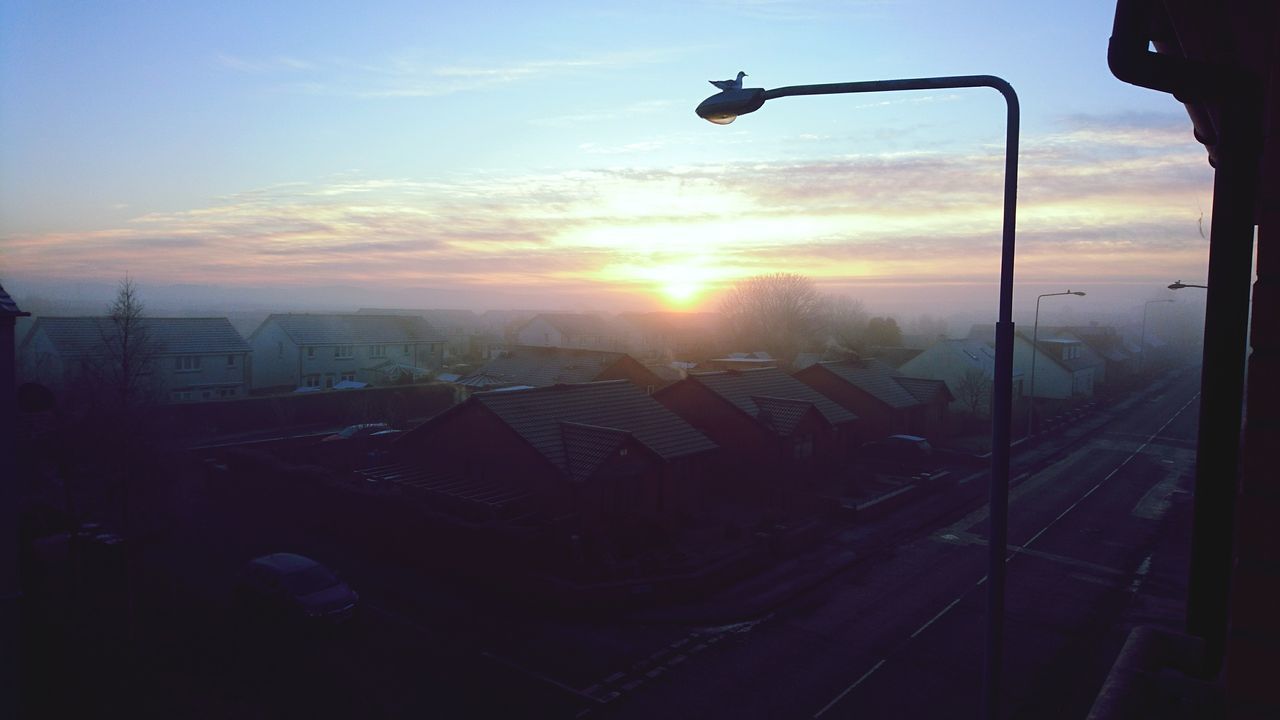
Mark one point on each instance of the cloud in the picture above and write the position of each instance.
(1110, 205)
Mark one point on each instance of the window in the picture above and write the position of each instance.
(225, 393)
(180, 395)
(206, 394)
(280, 350)
(803, 448)
(348, 376)
(342, 352)
(406, 350)
(328, 381)
(311, 352)
(186, 363)
(231, 361)
(312, 381)
(378, 351)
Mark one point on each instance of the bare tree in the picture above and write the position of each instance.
(846, 323)
(781, 313)
(128, 351)
(974, 391)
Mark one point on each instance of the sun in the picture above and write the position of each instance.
(681, 293)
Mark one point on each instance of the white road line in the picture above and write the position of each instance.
(849, 689)
(1110, 475)
(935, 618)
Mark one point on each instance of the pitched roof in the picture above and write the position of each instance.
(449, 320)
(875, 378)
(8, 306)
(926, 390)
(354, 329)
(541, 415)
(741, 387)
(781, 414)
(80, 336)
(575, 323)
(539, 366)
(586, 447)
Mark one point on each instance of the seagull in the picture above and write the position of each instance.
(729, 84)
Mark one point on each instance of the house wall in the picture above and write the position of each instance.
(947, 363)
(541, 333)
(222, 376)
(275, 357)
(627, 368)
(1052, 381)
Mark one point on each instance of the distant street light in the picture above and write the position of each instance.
(724, 107)
(1178, 285)
(1035, 348)
(1142, 341)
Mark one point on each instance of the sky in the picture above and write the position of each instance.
(546, 154)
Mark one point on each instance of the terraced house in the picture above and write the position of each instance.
(318, 352)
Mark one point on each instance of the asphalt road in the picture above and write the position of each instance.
(901, 635)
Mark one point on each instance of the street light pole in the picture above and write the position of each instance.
(1142, 340)
(726, 106)
(1178, 285)
(1035, 350)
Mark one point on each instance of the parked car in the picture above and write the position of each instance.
(357, 432)
(290, 586)
(902, 453)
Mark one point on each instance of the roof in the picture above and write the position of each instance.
(354, 329)
(81, 336)
(875, 378)
(926, 390)
(575, 323)
(895, 356)
(781, 414)
(539, 366)
(742, 387)
(1052, 349)
(450, 320)
(568, 423)
(586, 447)
(8, 307)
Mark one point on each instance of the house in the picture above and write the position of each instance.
(292, 351)
(1061, 371)
(967, 367)
(571, 330)
(174, 359)
(540, 366)
(887, 401)
(1116, 363)
(591, 456)
(740, 361)
(459, 327)
(670, 335)
(774, 429)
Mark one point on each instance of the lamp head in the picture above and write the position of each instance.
(724, 107)
(1177, 285)
(1076, 292)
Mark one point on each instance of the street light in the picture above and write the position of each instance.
(724, 107)
(1178, 285)
(1035, 348)
(1142, 340)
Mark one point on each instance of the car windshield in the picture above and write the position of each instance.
(312, 579)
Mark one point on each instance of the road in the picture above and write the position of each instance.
(901, 635)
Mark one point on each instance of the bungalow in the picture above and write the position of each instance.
(593, 456)
(319, 351)
(967, 367)
(571, 330)
(174, 359)
(769, 424)
(534, 366)
(888, 402)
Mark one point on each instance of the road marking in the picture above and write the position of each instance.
(1110, 475)
(849, 689)
(935, 618)
(1140, 574)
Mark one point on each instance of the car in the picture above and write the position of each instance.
(357, 432)
(899, 452)
(289, 586)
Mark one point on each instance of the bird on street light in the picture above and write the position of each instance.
(735, 84)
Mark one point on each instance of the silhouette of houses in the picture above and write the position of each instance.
(887, 401)
(588, 456)
(774, 429)
(534, 366)
(176, 359)
(318, 351)
(572, 330)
